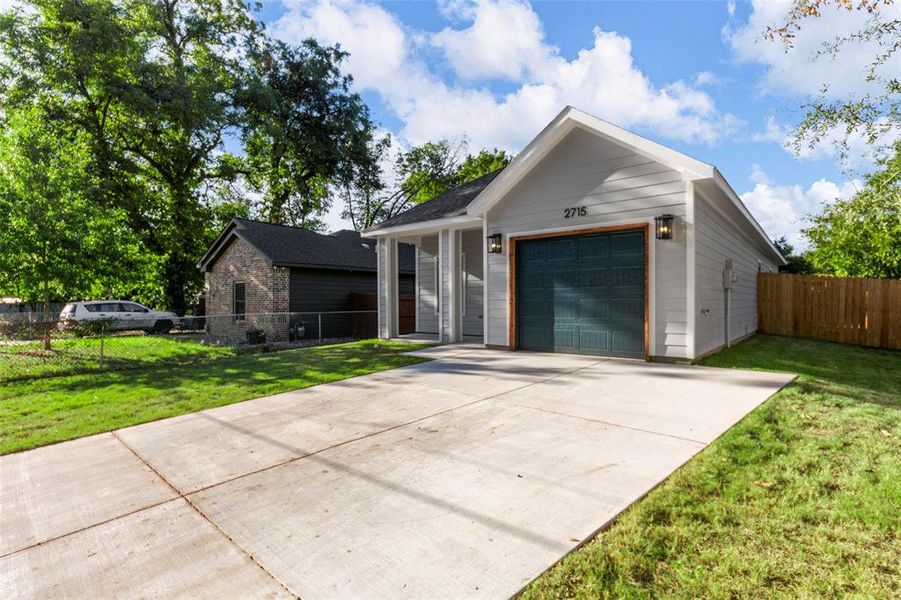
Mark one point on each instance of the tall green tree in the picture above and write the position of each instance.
(418, 175)
(153, 83)
(54, 241)
(797, 263)
(164, 89)
(875, 112)
(861, 236)
(304, 130)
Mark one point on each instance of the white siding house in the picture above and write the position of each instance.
(580, 268)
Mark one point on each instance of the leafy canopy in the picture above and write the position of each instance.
(861, 236)
(874, 113)
(161, 91)
(54, 240)
(419, 174)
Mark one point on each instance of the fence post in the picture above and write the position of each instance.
(319, 316)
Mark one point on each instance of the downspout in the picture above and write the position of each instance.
(728, 280)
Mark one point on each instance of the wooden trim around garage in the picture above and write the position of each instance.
(643, 227)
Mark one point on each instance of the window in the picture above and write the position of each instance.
(132, 307)
(93, 307)
(239, 306)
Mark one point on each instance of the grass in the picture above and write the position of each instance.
(800, 499)
(82, 355)
(42, 411)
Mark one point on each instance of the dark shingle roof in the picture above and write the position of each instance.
(287, 246)
(448, 204)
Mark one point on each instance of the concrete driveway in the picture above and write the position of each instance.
(463, 477)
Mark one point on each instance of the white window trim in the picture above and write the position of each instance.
(242, 316)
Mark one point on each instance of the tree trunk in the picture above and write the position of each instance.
(175, 285)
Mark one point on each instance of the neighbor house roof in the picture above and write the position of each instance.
(449, 204)
(286, 246)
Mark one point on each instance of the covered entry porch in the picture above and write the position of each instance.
(450, 284)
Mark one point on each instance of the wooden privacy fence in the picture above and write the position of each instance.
(406, 309)
(851, 310)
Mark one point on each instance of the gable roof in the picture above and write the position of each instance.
(502, 181)
(563, 124)
(286, 246)
(452, 203)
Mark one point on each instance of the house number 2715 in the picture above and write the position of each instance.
(575, 211)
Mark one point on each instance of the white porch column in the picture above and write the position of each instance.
(391, 290)
(448, 302)
(387, 288)
(455, 323)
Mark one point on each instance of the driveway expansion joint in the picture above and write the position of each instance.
(612, 424)
(381, 431)
(196, 509)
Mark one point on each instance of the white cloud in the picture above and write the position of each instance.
(730, 7)
(374, 38)
(478, 51)
(704, 78)
(601, 79)
(773, 132)
(782, 210)
(794, 72)
(859, 154)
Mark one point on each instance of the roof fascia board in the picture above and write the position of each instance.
(214, 248)
(233, 233)
(727, 190)
(553, 134)
(691, 168)
(424, 227)
(534, 151)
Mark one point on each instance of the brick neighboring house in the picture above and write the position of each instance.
(261, 275)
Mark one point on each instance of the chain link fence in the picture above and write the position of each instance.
(38, 348)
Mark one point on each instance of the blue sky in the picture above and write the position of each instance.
(696, 76)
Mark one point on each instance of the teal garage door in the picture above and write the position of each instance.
(582, 294)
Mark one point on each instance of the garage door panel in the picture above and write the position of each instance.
(582, 294)
(590, 308)
(594, 340)
(626, 342)
(597, 248)
(534, 281)
(624, 246)
(564, 337)
(561, 251)
(565, 308)
(628, 276)
(594, 277)
(626, 310)
(565, 280)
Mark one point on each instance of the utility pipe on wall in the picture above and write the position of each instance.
(728, 279)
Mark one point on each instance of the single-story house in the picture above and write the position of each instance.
(592, 240)
(261, 275)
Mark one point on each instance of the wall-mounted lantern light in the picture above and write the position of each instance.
(664, 226)
(495, 243)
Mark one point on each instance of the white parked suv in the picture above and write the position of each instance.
(120, 314)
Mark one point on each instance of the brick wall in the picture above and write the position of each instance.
(265, 291)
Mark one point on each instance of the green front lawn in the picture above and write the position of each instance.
(73, 355)
(800, 499)
(42, 411)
